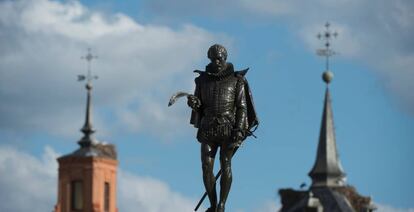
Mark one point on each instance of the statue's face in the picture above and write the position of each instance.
(219, 61)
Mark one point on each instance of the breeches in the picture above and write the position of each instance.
(219, 135)
(209, 151)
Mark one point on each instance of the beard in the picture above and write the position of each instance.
(217, 68)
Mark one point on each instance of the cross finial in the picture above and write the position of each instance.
(87, 140)
(89, 77)
(327, 37)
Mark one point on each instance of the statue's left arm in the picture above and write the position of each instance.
(241, 124)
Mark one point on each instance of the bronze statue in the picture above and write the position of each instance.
(224, 114)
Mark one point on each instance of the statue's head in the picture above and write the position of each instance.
(218, 56)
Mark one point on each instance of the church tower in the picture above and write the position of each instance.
(87, 176)
(328, 191)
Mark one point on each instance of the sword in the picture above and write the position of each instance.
(176, 96)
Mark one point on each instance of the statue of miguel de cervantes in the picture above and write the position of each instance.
(224, 113)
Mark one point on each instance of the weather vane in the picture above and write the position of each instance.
(327, 37)
(89, 77)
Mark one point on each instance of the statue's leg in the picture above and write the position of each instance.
(226, 152)
(208, 153)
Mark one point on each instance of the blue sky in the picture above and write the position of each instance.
(148, 49)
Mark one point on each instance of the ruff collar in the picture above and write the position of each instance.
(221, 75)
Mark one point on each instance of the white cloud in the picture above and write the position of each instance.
(375, 32)
(388, 208)
(139, 67)
(268, 206)
(147, 194)
(29, 183)
(268, 7)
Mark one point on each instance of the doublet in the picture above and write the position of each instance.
(223, 107)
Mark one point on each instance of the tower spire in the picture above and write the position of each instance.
(327, 170)
(87, 140)
(328, 191)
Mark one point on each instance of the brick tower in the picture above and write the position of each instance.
(87, 177)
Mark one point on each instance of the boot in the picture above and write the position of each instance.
(211, 209)
(220, 207)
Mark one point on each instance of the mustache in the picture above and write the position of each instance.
(218, 64)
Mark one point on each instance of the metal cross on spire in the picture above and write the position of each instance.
(89, 77)
(327, 37)
(87, 140)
